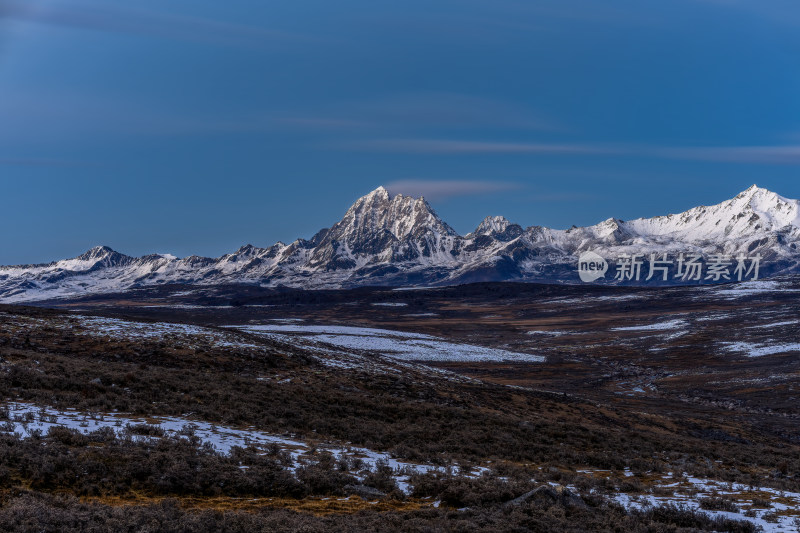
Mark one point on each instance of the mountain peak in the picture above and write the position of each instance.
(773, 209)
(380, 225)
(380, 192)
(95, 257)
(492, 224)
(96, 252)
(246, 249)
(498, 227)
(378, 211)
(750, 214)
(752, 191)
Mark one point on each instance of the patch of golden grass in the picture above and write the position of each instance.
(316, 506)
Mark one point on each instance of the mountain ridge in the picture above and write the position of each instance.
(385, 239)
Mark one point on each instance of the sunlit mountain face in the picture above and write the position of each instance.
(399, 240)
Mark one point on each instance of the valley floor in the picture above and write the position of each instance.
(494, 407)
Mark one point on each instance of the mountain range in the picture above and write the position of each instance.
(400, 241)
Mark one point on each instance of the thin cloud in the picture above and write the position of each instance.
(450, 109)
(322, 123)
(441, 189)
(768, 155)
(44, 114)
(783, 12)
(401, 114)
(138, 21)
(445, 146)
(35, 162)
(546, 198)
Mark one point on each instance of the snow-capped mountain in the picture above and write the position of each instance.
(379, 229)
(399, 240)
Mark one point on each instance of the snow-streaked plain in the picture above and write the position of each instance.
(25, 420)
(403, 345)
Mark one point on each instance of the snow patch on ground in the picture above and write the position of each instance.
(329, 354)
(405, 346)
(750, 288)
(25, 419)
(670, 324)
(687, 492)
(551, 333)
(750, 349)
(333, 330)
(774, 325)
(712, 317)
(131, 330)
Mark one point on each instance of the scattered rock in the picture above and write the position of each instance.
(556, 493)
(367, 493)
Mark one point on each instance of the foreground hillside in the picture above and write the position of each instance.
(420, 413)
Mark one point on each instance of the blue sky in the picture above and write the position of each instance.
(193, 127)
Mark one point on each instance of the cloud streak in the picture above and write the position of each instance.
(400, 114)
(442, 189)
(779, 12)
(767, 154)
(55, 116)
(446, 146)
(37, 162)
(139, 22)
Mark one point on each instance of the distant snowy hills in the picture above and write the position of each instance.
(400, 241)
